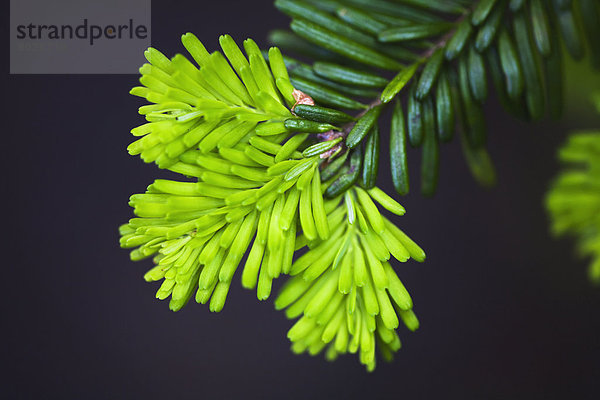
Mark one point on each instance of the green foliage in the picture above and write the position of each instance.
(573, 201)
(267, 172)
(443, 54)
(348, 296)
(254, 188)
(249, 175)
(208, 107)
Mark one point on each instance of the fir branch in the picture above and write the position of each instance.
(516, 42)
(270, 169)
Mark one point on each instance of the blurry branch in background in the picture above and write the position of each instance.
(573, 201)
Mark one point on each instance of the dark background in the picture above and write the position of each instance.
(506, 311)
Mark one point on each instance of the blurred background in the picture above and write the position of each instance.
(506, 311)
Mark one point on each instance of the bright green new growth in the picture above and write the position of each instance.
(347, 294)
(249, 177)
(255, 188)
(209, 107)
(573, 201)
(268, 172)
